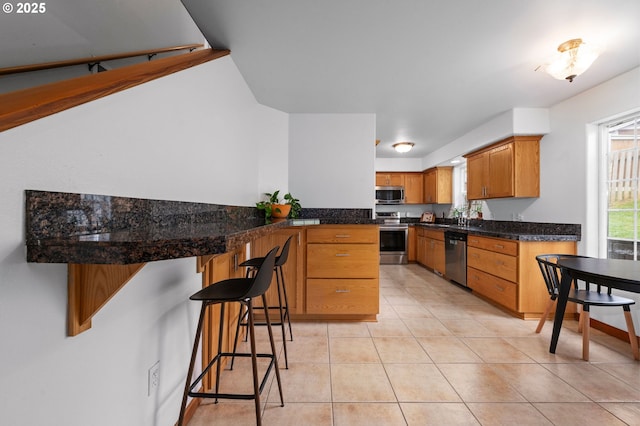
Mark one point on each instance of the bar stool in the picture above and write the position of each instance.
(241, 290)
(283, 301)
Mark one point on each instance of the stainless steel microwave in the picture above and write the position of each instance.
(389, 194)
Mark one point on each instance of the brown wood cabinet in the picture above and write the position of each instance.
(435, 251)
(389, 179)
(411, 244)
(506, 272)
(342, 271)
(218, 268)
(509, 168)
(413, 188)
(292, 269)
(438, 185)
(411, 181)
(421, 246)
(430, 249)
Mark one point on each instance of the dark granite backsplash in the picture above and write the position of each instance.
(338, 216)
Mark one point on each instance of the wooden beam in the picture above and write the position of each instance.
(24, 106)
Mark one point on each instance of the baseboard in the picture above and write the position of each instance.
(190, 410)
(610, 330)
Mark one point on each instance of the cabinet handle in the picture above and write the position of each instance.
(500, 246)
(476, 255)
(342, 255)
(500, 289)
(235, 262)
(343, 236)
(343, 291)
(499, 263)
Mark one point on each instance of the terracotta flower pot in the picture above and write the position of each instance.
(280, 210)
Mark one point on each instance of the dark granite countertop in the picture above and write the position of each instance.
(102, 229)
(520, 231)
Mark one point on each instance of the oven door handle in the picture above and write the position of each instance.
(394, 228)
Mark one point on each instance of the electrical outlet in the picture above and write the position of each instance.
(153, 378)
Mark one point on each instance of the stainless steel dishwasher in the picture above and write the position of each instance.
(455, 253)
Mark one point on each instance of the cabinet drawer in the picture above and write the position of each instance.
(342, 260)
(435, 235)
(357, 296)
(498, 264)
(500, 291)
(367, 234)
(494, 244)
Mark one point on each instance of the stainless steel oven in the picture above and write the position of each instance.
(393, 240)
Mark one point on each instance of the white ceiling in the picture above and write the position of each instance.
(430, 69)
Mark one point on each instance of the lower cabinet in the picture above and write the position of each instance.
(342, 271)
(293, 269)
(430, 249)
(214, 269)
(506, 272)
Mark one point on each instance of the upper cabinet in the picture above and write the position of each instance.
(413, 188)
(389, 179)
(411, 181)
(438, 185)
(509, 168)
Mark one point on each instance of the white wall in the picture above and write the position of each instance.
(569, 169)
(568, 162)
(198, 135)
(399, 164)
(331, 160)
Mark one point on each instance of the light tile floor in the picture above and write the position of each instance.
(438, 355)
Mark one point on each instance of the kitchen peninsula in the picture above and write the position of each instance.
(106, 240)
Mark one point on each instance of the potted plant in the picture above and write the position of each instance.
(273, 207)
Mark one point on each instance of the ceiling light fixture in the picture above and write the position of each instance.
(574, 58)
(403, 146)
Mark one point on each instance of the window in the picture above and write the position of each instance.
(621, 147)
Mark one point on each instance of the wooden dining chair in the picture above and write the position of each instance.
(548, 264)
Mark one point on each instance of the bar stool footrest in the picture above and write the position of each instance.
(217, 358)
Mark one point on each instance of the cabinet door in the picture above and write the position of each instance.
(438, 256)
(411, 244)
(430, 187)
(429, 253)
(421, 250)
(413, 191)
(389, 179)
(477, 176)
(501, 173)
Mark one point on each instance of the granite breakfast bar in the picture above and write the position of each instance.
(106, 240)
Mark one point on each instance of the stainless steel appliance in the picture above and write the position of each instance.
(455, 252)
(393, 239)
(389, 194)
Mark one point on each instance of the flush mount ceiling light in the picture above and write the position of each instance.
(403, 146)
(574, 58)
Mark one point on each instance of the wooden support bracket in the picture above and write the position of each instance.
(89, 289)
